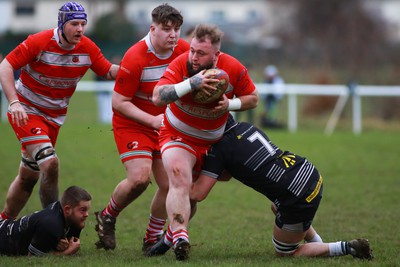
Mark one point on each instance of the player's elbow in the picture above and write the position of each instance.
(157, 102)
(197, 196)
(156, 99)
(253, 100)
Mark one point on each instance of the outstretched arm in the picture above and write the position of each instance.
(202, 187)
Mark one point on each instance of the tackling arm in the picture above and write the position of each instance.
(202, 187)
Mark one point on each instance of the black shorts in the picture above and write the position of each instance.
(298, 216)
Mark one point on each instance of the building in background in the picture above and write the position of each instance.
(244, 22)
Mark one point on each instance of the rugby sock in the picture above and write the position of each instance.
(154, 229)
(168, 236)
(316, 239)
(4, 216)
(113, 208)
(339, 248)
(180, 234)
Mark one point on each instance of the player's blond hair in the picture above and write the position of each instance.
(202, 32)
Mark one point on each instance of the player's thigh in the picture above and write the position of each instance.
(135, 143)
(288, 237)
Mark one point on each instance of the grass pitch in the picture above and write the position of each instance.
(233, 226)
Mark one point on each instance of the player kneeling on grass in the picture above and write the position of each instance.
(290, 181)
(55, 229)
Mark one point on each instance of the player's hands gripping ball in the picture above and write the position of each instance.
(201, 97)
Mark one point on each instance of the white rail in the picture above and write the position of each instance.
(292, 90)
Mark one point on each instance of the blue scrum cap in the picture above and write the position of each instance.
(70, 11)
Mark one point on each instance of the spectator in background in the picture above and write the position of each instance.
(189, 34)
(271, 100)
(104, 105)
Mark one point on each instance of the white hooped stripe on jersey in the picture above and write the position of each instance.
(41, 100)
(152, 74)
(209, 135)
(53, 82)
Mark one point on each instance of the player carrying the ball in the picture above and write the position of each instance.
(189, 128)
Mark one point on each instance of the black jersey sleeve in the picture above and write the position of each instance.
(73, 232)
(45, 238)
(48, 227)
(214, 163)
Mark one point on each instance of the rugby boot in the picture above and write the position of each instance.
(105, 228)
(159, 248)
(182, 249)
(148, 244)
(359, 248)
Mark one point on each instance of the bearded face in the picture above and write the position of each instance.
(192, 71)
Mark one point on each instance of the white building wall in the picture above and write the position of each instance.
(199, 11)
(234, 12)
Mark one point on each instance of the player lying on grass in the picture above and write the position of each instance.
(290, 181)
(55, 229)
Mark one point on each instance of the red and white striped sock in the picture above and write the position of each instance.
(5, 216)
(113, 208)
(180, 234)
(154, 229)
(168, 236)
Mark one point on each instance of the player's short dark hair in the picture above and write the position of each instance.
(208, 31)
(165, 13)
(73, 195)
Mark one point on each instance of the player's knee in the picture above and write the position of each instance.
(29, 163)
(137, 188)
(181, 179)
(43, 153)
(285, 249)
(138, 182)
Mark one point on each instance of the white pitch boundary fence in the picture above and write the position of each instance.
(343, 92)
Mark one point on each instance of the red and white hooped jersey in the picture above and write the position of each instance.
(200, 123)
(141, 68)
(50, 74)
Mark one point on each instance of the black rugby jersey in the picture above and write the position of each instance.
(37, 233)
(249, 156)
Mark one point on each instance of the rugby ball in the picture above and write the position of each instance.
(202, 98)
